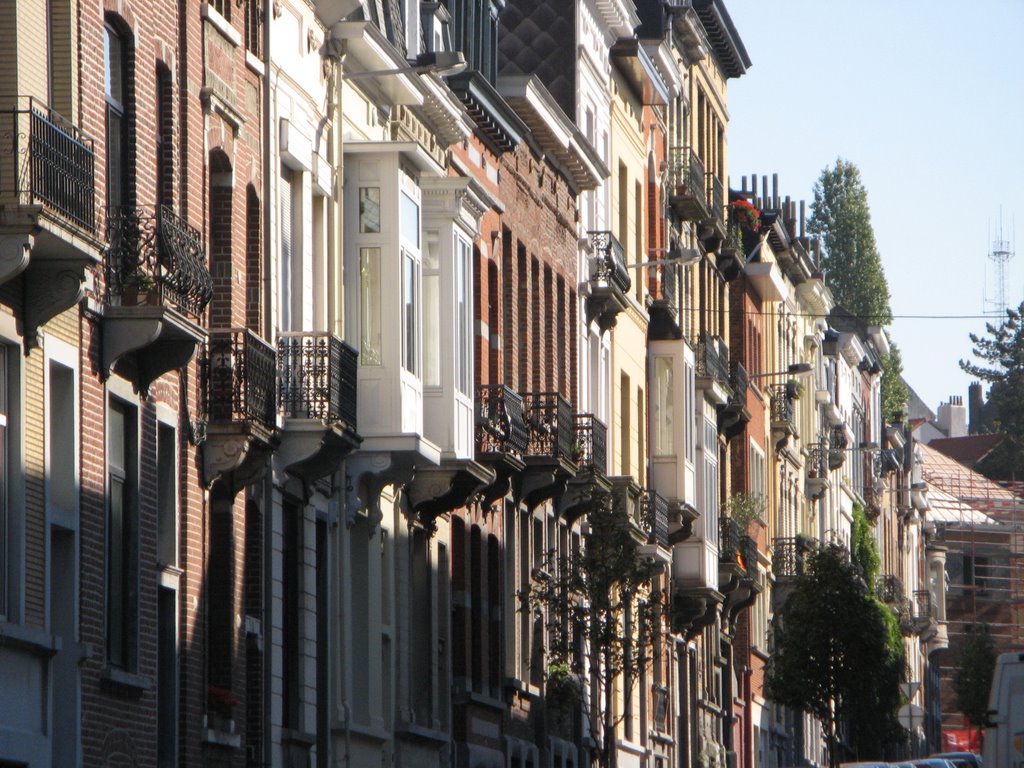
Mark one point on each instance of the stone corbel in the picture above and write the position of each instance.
(236, 459)
(437, 490)
(366, 476)
(51, 286)
(15, 250)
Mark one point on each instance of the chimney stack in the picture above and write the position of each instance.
(975, 407)
(952, 417)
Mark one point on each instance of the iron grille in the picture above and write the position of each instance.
(748, 551)
(729, 544)
(550, 424)
(317, 374)
(687, 172)
(500, 426)
(889, 589)
(739, 383)
(922, 605)
(152, 248)
(609, 261)
(788, 556)
(710, 363)
(45, 159)
(239, 373)
(783, 410)
(716, 197)
(817, 460)
(654, 514)
(591, 446)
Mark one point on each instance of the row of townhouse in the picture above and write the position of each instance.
(326, 323)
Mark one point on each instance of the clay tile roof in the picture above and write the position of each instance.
(968, 450)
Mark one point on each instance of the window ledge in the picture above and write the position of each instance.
(255, 63)
(129, 682)
(219, 738)
(301, 738)
(29, 639)
(222, 25)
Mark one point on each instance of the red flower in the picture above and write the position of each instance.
(745, 214)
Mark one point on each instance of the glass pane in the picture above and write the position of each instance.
(431, 311)
(369, 209)
(410, 218)
(664, 407)
(463, 320)
(409, 315)
(369, 307)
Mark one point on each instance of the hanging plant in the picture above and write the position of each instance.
(746, 215)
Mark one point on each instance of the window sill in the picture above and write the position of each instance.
(222, 25)
(30, 639)
(299, 738)
(124, 681)
(255, 64)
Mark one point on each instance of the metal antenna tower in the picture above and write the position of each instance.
(1000, 255)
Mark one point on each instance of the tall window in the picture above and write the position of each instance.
(122, 535)
(664, 407)
(166, 497)
(711, 480)
(115, 60)
(410, 314)
(291, 589)
(431, 310)
(369, 307)
(463, 316)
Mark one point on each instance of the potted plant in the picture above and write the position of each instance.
(138, 287)
(794, 389)
(745, 215)
(561, 695)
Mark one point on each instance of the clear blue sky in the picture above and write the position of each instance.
(927, 99)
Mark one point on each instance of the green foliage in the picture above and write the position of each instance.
(894, 390)
(835, 655)
(1001, 352)
(744, 508)
(972, 678)
(852, 265)
(602, 614)
(864, 548)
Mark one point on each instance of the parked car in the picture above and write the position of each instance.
(962, 759)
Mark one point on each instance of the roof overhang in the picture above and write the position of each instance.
(640, 71)
(555, 134)
(618, 16)
(815, 295)
(877, 334)
(767, 280)
(725, 40)
(368, 50)
(445, 112)
(496, 122)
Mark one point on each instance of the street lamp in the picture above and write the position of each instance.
(681, 256)
(435, 62)
(793, 369)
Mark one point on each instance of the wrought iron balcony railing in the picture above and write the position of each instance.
(711, 364)
(664, 284)
(837, 444)
(729, 541)
(590, 450)
(654, 515)
(817, 461)
(44, 159)
(922, 607)
(789, 555)
(500, 423)
(783, 407)
(239, 372)
(687, 175)
(609, 263)
(550, 424)
(739, 383)
(716, 198)
(889, 589)
(152, 250)
(317, 372)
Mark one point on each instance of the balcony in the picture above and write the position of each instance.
(734, 416)
(157, 287)
(837, 445)
(501, 436)
(713, 228)
(817, 483)
(712, 369)
(238, 371)
(317, 373)
(732, 252)
(737, 567)
(590, 454)
(789, 556)
(549, 447)
(687, 196)
(783, 412)
(48, 223)
(663, 285)
(654, 517)
(609, 281)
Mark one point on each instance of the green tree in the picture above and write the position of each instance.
(972, 676)
(864, 548)
(1001, 352)
(852, 265)
(894, 390)
(834, 654)
(603, 618)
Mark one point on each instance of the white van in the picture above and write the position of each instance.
(1004, 736)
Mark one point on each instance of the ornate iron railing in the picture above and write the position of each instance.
(654, 516)
(889, 589)
(748, 550)
(710, 363)
(591, 446)
(550, 424)
(609, 263)
(500, 424)
(739, 383)
(153, 249)
(817, 460)
(783, 408)
(716, 198)
(788, 556)
(45, 159)
(837, 444)
(922, 607)
(730, 542)
(239, 372)
(317, 372)
(687, 174)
